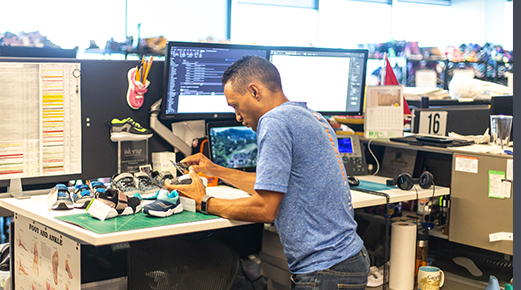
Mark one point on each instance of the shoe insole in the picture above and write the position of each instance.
(469, 265)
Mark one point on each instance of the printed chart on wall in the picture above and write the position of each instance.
(44, 258)
(40, 119)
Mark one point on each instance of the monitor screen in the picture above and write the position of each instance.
(345, 145)
(330, 81)
(193, 71)
(232, 145)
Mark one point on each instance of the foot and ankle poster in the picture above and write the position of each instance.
(43, 258)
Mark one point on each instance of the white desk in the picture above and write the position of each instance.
(34, 208)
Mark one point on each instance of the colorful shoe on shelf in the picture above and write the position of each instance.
(148, 189)
(160, 177)
(166, 204)
(125, 182)
(119, 203)
(82, 196)
(128, 130)
(64, 200)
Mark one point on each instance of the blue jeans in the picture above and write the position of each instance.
(349, 274)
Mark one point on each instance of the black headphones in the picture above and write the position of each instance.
(406, 182)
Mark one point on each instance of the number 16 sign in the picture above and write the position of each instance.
(433, 123)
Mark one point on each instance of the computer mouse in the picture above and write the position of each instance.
(353, 181)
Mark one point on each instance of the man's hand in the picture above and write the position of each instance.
(201, 163)
(195, 191)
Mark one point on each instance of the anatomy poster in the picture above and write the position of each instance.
(44, 259)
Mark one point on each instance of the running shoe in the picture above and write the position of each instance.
(166, 204)
(119, 203)
(97, 187)
(64, 199)
(125, 182)
(147, 188)
(82, 196)
(128, 130)
(160, 177)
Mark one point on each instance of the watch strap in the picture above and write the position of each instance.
(204, 203)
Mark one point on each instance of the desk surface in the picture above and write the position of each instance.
(479, 149)
(34, 208)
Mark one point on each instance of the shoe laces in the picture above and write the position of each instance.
(145, 182)
(126, 183)
(134, 123)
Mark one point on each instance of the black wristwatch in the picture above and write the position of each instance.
(204, 204)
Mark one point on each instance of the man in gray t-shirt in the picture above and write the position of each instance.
(300, 183)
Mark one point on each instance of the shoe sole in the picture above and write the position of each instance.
(167, 213)
(82, 204)
(62, 206)
(126, 136)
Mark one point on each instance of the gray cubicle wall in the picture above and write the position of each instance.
(464, 120)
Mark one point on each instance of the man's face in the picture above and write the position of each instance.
(245, 106)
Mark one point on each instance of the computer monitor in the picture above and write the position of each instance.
(192, 85)
(40, 120)
(232, 145)
(331, 81)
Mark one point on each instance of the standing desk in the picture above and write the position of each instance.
(34, 209)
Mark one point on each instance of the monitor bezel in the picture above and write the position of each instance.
(197, 116)
(220, 124)
(365, 52)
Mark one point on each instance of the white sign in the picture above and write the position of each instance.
(44, 258)
(433, 123)
(425, 78)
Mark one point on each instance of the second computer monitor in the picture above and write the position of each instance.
(331, 81)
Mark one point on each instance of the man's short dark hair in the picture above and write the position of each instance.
(251, 67)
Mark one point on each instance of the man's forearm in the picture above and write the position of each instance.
(240, 179)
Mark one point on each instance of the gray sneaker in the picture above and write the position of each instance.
(125, 182)
(160, 177)
(148, 188)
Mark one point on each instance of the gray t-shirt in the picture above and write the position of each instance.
(298, 156)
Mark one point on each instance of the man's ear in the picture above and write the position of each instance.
(254, 90)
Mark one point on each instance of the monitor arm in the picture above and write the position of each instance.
(166, 133)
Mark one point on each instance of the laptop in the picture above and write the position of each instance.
(232, 145)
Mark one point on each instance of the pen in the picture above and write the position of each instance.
(509, 152)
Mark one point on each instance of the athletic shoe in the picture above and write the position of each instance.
(165, 205)
(136, 90)
(125, 182)
(97, 187)
(128, 130)
(64, 199)
(119, 203)
(82, 196)
(160, 177)
(147, 188)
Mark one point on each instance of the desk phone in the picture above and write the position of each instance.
(352, 153)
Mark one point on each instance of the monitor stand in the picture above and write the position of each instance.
(15, 189)
(165, 133)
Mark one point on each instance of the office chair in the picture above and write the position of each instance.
(183, 262)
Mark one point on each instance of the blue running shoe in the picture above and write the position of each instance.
(97, 187)
(165, 205)
(64, 199)
(125, 182)
(147, 188)
(82, 196)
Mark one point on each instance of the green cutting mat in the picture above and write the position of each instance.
(132, 222)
